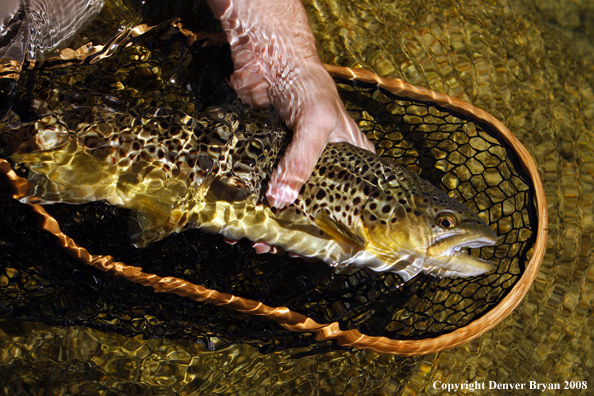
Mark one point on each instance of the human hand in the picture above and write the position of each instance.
(276, 63)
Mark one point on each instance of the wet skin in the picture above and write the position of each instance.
(276, 64)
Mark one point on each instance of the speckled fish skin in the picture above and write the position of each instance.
(209, 171)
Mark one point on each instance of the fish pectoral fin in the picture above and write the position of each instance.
(339, 232)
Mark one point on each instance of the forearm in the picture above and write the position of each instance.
(272, 38)
(269, 28)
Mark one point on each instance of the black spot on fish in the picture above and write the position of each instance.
(372, 218)
(386, 209)
(321, 194)
(92, 142)
(203, 162)
(254, 149)
(373, 206)
(357, 201)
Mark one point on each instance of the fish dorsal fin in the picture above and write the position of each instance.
(339, 232)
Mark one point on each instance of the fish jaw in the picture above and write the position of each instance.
(445, 258)
(458, 264)
(453, 243)
(409, 263)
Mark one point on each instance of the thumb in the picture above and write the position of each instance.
(310, 136)
(326, 121)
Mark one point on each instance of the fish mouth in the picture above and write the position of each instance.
(445, 257)
(454, 243)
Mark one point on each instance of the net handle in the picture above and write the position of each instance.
(295, 321)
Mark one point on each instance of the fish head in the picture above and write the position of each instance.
(411, 226)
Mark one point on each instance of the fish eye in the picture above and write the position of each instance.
(447, 220)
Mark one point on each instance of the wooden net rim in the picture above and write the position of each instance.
(331, 331)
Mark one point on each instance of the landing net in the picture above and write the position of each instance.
(457, 147)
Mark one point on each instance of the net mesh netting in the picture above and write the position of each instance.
(41, 282)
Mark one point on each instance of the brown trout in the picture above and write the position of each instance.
(210, 171)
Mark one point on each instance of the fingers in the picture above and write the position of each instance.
(263, 247)
(311, 131)
(324, 120)
(288, 178)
